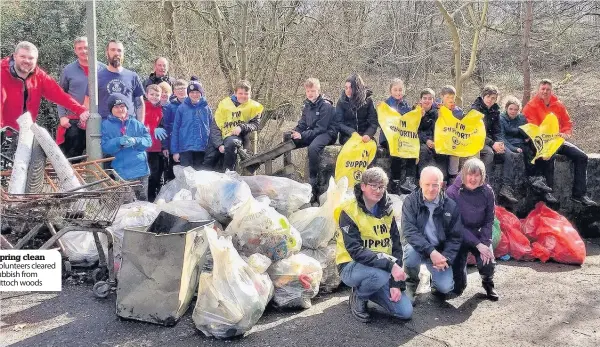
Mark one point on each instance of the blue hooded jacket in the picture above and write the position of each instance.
(167, 120)
(399, 105)
(191, 128)
(130, 162)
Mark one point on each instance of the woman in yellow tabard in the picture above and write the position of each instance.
(369, 254)
(236, 117)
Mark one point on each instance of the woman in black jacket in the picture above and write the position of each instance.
(355, 111)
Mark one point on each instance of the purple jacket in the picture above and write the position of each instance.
(476, 210)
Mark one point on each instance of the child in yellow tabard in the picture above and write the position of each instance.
(236, 117)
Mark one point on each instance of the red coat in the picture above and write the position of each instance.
(152, 118)
(536, 111)
(38, 84)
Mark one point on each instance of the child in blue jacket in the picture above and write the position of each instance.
(126, 139)
(191, 128)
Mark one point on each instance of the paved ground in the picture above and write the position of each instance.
(541, 305)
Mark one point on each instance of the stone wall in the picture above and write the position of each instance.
(586, 219)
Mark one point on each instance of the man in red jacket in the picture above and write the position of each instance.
(23, 84)
(536, 110)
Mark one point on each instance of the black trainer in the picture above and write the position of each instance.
(550, 198)
(408, 186)
(507, 193)
(438, 295)
(539, 183)
(489, 291)
(359, 308)
(394, 187)
(411, 292)
(314, 194)
(584, 200)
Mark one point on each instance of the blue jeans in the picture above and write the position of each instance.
(442, 281)
(374, 284)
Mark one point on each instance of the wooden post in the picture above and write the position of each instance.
(287, 156)
(269, 167)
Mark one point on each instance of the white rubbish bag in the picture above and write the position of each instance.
(18, 177)
(287, 195)
(317, 225)
(135, 214)
(326, 257)
(258, 228)
(187, 209)
(397, 202)
(80, 247)
(296, 281)
(233, 297)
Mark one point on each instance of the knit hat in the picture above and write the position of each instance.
(195, 86)
(116, 99)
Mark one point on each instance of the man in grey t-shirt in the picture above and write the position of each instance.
(70, 134)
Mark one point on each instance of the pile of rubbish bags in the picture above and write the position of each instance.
(544, 234)
(256, 252)
(271, 248)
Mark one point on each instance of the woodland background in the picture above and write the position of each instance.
(278, 44)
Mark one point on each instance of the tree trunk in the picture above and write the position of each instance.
(526, 68)
(455, 45)
(479, 23)
(171, 40)
(244, 41)
(224, 62)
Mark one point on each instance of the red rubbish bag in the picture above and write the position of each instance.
(540, 252)
(503, 247)
(555, 233)
(512, 239)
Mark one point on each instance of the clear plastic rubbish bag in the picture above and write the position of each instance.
(317, 225)
(259, 263)
(258, 228)
(233, 297)
(326, 257)
(296, 281)
(287, 195)
(178, 188)
(220, 194)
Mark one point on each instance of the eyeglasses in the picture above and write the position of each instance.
(377, 188)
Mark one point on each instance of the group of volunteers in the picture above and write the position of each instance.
(152, 125)
(147, 126)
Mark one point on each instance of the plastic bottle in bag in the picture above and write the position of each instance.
(296, 281)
